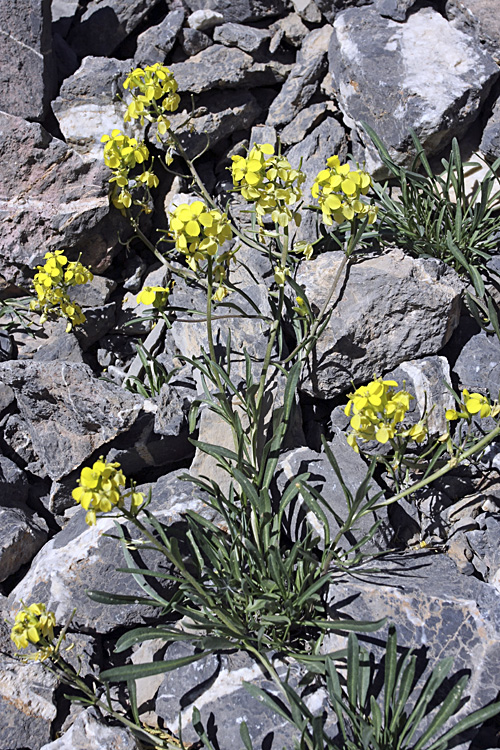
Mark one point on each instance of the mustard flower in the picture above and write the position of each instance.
(268, 180)
(472, 404)
(377, 410)
(102, 488)
(280, 274)
(338, 189)
(35, 625)
(154, 295)
(51, 284)
(122, 152)
(198, 231)
(154, 92)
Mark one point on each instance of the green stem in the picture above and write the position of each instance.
(454, 461)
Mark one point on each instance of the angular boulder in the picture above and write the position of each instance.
(423, 74)
(388, 309)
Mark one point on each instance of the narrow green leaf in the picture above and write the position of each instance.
(136, 671)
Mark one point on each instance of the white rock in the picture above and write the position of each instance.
(201, 20)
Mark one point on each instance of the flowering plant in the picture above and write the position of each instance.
(52, 282)
(101, 488)
(33, 624)
(338, 190)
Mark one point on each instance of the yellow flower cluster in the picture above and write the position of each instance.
(122, 154)
(473, 404)
(377, 410)
(338, 190)
(268, 180)
(154, 295)
(51, 285)
(101, 488)
(154, 92)
(198, 231)
(34, 624)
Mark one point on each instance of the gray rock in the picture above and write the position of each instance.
(291, 29)
(66, 60)
(330, 8)
(392, 308)
(395, 9)
(81, 557)
(98, 321)
(132, 309)
(302, 82)
(87, 733)
(423, 74)
(50, 343)
(63, 9)
(194, 41)
(38, 215)
(94, 293)
(324, 479)
(241, 11)
(490, 142)
(6, 346)
(154, 44)
(218, 114)
(225, 67)
(478, 365)
(87, 106)
(174, 402)
(479, 18)
(27, 703)
(302, 124)
(22, 534)
(104, 24)
(28, 75)
(485, 544)
(308, 10)
(247, 38)
(262, 134)
(214, 686)
(204, 20)
(13, 483)
(69, 413)
(435, 609)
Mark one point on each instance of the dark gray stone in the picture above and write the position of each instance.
(247, 38)
(53, 343)
(391, 308)
(423, 74)
(69, 413)
(490, 142)
(225, 67)
(324, 479)
(94, 293)
(478, 365)
(437, 611)
(38, 215)
(302, 124)
(395, 9)
(330, 8)
(81, 557)
(104, 24)
(22, 534)
(301, 84)
(154, 44)
(218, 114)
(241, 11)
(98, 321)
(27, 71)
(194, 41)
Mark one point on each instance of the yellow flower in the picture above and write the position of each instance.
(51, 284)
(101, 488)
(198, 231)
(338, 190)
(154, 295)
(35, 625)
(472, 404)
(377, 410)
(270, 182)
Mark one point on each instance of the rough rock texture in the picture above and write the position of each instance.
(27, 707)
(247, 38)
(87, 733)
(438, 612)
(27, 70)
(80, 557)
(158, 41)
(241, 11)
(423, 74)
(490, 142)
(302, 82)
(76, 415)
(480, 18)
(381, 297)
(87, 106)
(478, 364)
(224, 67)
(36, 215)
(106, 23)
